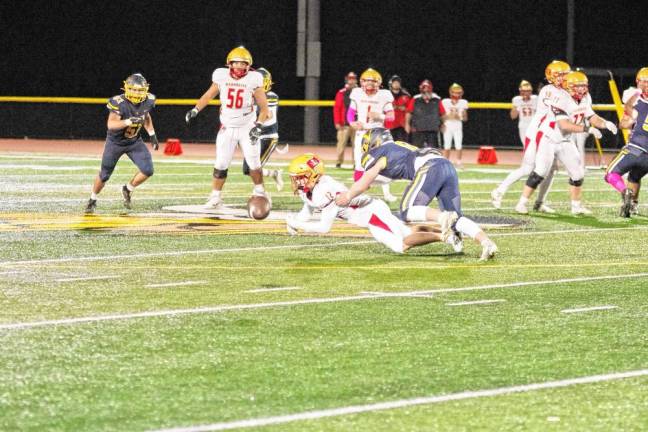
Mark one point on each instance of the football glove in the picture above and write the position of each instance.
(191, 114)
(255, 132)
(154, 142)
(611, 127)
(593, 131)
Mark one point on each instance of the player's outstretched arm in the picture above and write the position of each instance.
(601, 123)
(322, 226)
(210, 94)
(361, 185)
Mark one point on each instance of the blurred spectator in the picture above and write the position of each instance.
(401, 98)
(423, 117)
(342, 101)
(524, 107)
(454, 111)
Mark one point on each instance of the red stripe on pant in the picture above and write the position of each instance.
(376, 221)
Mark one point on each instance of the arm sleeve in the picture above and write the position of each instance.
(113, 106)
(442, 110)
(351, 115)
(305, 213)
(338, 109)
(323, 225)
(410, 105)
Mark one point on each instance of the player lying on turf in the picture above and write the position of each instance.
(128, 114)
(431, 175)
(318, 192)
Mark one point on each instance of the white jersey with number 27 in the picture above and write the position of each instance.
(236, 97)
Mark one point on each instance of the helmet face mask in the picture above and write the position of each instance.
(136, 88)
(456, 91)
(577, 84)
(370, 81)
(305, 172)
(642, 81)
(525, 89)
(239, 61)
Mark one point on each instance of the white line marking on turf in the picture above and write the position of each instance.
(475, 302)
(264, 290)
(87, 278)
(403, 403)
(180, 253)
(588, 309)
(10, 272)
(174, 284)
(575, 231)
(225, 308)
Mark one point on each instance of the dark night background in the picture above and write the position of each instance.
(87, 48)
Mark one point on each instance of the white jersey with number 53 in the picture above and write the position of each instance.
(236, 97)
(380, 102)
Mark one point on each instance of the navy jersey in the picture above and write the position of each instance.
(639, 135)
(125, 109)
(399, 156)
(270, 127)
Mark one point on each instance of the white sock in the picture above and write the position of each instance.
(467, 226)
(267, 173)
(130, 187)
(486, 242)
(523, 200)
(259, 189)
(215, 194)
(93, 196)
(575, 204)
(385, 189)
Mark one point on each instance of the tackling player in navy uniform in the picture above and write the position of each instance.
(128, 114)
(432, 176)
(269, 131)
(633, 159)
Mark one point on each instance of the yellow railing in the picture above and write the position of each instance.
(286, 102)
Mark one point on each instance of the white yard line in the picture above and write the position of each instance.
(475, 302)
(264, 290)
(589, 309)
(361, 296)
(574, 231)
(404, 403)
(75, 279)
(178, 253)
(174, 284)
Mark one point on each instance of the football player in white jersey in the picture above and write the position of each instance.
(370, 107)
(524, 107)
(455, 115)
(547, 97)
(318, 192)
(567, 116)
(241, 91)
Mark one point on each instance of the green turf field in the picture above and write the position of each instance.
(143, 320)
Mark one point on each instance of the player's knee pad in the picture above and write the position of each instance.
(534, 180)
(577, 183)
(220, 174)
(415, 214)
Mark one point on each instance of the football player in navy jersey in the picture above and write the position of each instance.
(128, 114)
(431, 175)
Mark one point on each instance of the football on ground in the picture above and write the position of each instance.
(258, 207)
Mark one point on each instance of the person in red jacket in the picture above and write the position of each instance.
(401, 99)
(345, 132)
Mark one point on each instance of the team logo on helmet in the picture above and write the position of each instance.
(239, 54)
(136, 88)
(305, 172)
(375, 138)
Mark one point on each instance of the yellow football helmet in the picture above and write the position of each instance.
(239, 54)
(555, 72)
(525, 86)
(642, 80)
(267, 79)
(456, 91)
(305, 171)
(370, 81)
(577, 84)
(375, 138)
(136, 88)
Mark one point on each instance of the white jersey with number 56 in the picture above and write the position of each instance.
(236, 97)
(380, 102)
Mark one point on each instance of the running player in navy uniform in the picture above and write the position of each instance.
(633, 159)
(432, 176)
(128, 114)
(269, 131)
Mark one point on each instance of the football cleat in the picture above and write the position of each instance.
(127, 197)
(213, 202)
(634, 210)
(488, 251)
(91, 206)
(521, 208)
(456, 241)
(580, 210)
(496, 198)
(277, 176)
(543, 208)
(626, 207)
(447, 219)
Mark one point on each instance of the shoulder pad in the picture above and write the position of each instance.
(150, 96)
